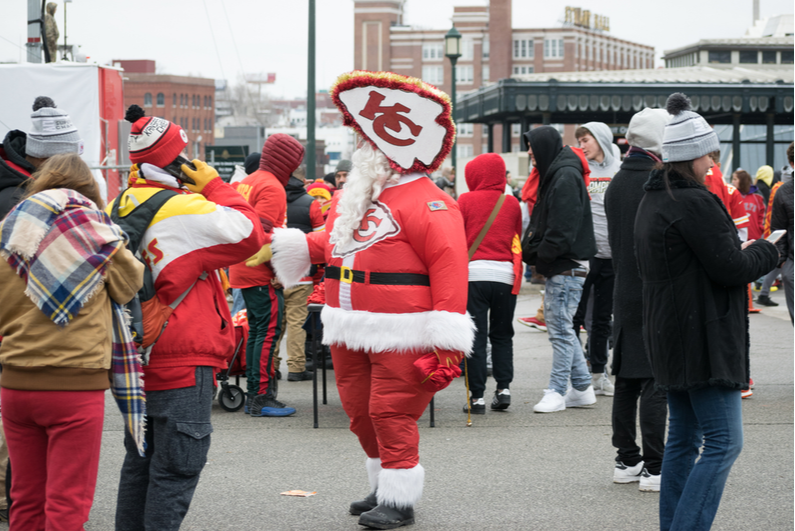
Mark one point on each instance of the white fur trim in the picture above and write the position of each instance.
(290, 260)
(400, 487)
(373, 465)
(381, 332)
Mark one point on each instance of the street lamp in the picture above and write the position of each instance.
(452, 50)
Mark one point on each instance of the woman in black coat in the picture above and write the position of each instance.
(694, 271)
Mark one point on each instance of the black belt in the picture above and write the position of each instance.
(574, 273)
(348, 275)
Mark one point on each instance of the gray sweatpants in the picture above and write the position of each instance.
(155, 491)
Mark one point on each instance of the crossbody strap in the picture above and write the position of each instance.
(486, 227)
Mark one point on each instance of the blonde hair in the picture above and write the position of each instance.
(66, 170)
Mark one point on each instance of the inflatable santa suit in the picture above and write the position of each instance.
(396, 280)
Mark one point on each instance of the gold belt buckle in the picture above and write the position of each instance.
(346, 275)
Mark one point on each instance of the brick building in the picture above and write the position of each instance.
(491, 50)
(186, 101)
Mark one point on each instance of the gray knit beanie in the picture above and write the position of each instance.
(53, 131)
(344, 165)
(687, 136)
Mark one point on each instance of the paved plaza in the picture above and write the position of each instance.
(512, 470)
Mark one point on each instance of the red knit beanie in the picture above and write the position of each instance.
(153, 140)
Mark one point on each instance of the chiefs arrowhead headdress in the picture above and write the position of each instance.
(404, 117)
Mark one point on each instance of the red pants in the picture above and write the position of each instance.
(383, 397)
(53, 440)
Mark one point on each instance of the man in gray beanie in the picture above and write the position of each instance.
(344, 167)
(631, 368)
(20, 155)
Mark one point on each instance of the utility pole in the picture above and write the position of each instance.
(310, 99)
(35, 30)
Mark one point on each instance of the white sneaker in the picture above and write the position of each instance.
(552, 402)
(627, 474)
(602, 385)
(575, 398)
(649, 482)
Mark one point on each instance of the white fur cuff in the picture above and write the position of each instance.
(290, 260)
(373, 465)
(400, 487)
(383, 332)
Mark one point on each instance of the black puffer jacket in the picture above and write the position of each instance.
(695, 320)
(561, 228)
(14, 171)
(298, 204)
(621, 204)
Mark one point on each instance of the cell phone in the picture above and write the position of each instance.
(776, 235)
(175, 169)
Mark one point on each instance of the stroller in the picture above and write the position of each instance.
(231, 396)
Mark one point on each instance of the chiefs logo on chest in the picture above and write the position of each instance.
(377, 224)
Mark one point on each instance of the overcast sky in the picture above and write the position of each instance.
(223, 38)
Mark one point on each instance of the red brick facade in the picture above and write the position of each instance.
(186, 101)
(509, 52)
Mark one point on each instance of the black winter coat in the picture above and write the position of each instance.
(622, 198)
(781, 218)
(695, 308)
(12, 160)
(561, 227)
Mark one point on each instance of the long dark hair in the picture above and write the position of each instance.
(683, 168)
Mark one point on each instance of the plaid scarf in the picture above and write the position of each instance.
(60, 244)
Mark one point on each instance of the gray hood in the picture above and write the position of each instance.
(604, 136)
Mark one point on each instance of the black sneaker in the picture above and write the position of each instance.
(478, 406)
(502, 400)
(764, 300)
(387, 517)
(299, 376)
(266, 406)
(362, 506)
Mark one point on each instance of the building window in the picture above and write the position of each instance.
(485, 74)
(786, 57)
(432, 52)
(175, 120)
(161, 99)
(768, 58)
(210, 102)
(485, 46)
(148, 99)
(464, 74)
(720, 57)
(522, 70)
(467, 49)
(433, 74)
(174, 100)
(464, 151)
(553, 48)
(516, 129)
(464, 129)
(523, 49)
(749, 57)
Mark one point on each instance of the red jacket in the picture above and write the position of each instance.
(266, 194)
(755, 208)
(732, 199)
(414, 227)
(485, 176)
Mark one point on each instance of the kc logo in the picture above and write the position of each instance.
(402, 124)
(377, 225)
(389, 118)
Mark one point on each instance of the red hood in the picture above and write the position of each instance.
(281, 156)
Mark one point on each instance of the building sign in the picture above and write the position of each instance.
(583, 18)
(224, 159)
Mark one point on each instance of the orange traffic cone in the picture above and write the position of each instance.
(751, 308)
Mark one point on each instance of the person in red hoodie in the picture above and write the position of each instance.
(753, 201)
(495, 276)
(264, 295)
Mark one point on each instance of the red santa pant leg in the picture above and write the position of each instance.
(384, 399)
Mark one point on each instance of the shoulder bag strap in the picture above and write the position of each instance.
(486, 227)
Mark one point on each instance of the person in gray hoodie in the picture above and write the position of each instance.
(596, 142)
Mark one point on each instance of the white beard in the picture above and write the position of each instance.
(370, 174)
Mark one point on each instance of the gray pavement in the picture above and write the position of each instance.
(510, 471)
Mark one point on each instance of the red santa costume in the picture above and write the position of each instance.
(396, 279)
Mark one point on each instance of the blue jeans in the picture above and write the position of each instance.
(561, 299)
(690, 491)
